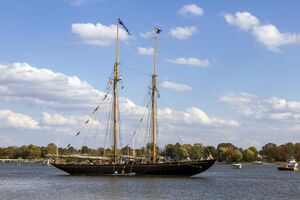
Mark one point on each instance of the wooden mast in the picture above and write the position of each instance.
(153, 100)
(115, 98)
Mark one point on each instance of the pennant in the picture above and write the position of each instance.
(87, 121)
(157, 30)
(68, 145)
(121, 23)
(96, 109)
(104, 97)
(77, 133)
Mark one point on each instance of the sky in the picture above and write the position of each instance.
(228, 71)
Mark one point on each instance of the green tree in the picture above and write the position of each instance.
(181, 152)
(170, 151)
(212, 150)
(282, 154)
(85, 150)
(2, 152)
(10, 152)
(249, 155)
(51, 148)
(297, 151)
(197, 152)
(237, 156)
(227, 152)
(290, 149)
(270, 151)
(33, 152)
(255, 151)
(176, 152)
(222, 154)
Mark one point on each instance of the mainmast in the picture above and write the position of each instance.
(115, 98)
(154, 99)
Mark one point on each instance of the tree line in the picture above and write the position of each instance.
(224, 152)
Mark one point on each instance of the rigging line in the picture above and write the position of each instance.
(86, 137)
(148, 132)
(140, 118)
(90, 125)
(120, 124)
(156, 128)
(145, 104)
(108, 125)
(100, 108)
(108, 88)
(96, 132)
(136, 70)
(88, 131)
(138, 126)
(77, 134)
(163, 101)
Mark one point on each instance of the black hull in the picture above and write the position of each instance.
(168, 169)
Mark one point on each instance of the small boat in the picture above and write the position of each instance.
(258, 162)
(237, 165)
(291, 165)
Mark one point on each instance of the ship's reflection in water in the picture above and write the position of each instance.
(34, 181)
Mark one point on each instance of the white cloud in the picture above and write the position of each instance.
(10, 119)
(272, 38)
(190, 61)
(98, 34)
(183, 33)
(146, 34)
(43, 90)
(71, 124)
(244, 20)
(49, 119)
(272, 108)
(28, 85)
(193, 116)
(191, 9)
(176, 86)
(236, 98)
(266, 34)
(76, 2)
(145, 51)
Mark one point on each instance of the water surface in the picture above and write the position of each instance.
(35, 181)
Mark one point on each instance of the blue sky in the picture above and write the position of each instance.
(232, 65)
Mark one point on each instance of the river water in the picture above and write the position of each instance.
(35, 181)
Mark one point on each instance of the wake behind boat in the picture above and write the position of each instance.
(117, 164)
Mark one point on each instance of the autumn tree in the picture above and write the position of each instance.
(33, 152)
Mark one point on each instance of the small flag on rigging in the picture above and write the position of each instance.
(96, 109)
(120, 22)
(87, 121)
(77, 133)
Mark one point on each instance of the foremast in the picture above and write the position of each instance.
(115, 97)
(154, 99)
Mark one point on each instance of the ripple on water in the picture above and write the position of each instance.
(34, 181)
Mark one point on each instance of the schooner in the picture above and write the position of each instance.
(117, 165)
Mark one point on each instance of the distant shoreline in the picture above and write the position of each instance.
(44, 161)
(19, 161)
